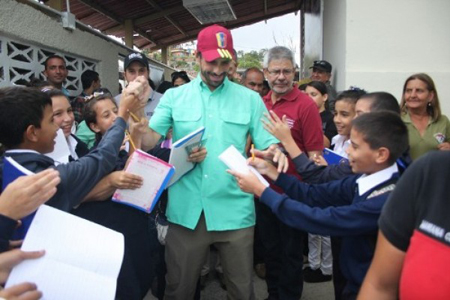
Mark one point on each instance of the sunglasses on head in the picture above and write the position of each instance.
(97, 94)
(320, 63)
(180, 74)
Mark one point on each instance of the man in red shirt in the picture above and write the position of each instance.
(284, 245)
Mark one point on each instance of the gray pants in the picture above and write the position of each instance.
(186, 251)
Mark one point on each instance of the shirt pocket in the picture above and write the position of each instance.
(235, 128)
(185, 121)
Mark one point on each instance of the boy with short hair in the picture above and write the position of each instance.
(349, 207)
(28, 132)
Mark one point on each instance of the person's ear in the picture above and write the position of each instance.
(383, 155)
(45, 73)
(325, 97)
(31, 134)
(94, 127)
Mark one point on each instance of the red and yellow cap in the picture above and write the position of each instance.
(215, 42)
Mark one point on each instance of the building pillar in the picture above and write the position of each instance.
(164, 55)
(129, 33)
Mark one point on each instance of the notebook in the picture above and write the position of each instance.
(11, 171)
(180, 153)
(333, 158)
(82, 259)
(156, 174)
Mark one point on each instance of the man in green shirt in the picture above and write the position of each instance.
(206, 206)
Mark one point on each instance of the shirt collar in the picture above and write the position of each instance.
(407, 118)
(368, 182)
(21, 151)
(291, 96)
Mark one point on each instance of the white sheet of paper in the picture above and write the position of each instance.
(82, 259)
(237, 162)
(61, 151)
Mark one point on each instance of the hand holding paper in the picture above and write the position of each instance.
(248, 182)
(274, 154)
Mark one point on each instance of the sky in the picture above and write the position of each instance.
(280, 31)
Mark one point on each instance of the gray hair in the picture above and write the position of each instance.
(278, 52)
(249, 70)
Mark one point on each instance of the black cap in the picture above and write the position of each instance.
(322, 65)
(135, 57)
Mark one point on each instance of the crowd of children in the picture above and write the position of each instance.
(339, 205)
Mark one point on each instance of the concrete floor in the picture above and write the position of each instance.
(311, 291)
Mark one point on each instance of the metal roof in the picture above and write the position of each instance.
(160, 23)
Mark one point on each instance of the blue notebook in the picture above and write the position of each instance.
(333, 158)
(11, 171)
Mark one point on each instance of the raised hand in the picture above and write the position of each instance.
(277, 127)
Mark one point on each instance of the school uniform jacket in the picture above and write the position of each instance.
(336, 209)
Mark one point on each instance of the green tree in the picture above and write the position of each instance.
(249, 60)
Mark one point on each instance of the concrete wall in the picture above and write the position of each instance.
(385, 41)
(23, 22)
(334, 39)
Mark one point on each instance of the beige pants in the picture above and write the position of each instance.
(186, 251)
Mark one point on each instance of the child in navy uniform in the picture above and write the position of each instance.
(349, 207)
(28, 131)
(137, 226)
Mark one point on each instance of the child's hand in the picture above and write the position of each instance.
(138, 129)
(319, 160)
(248, 183)
(197, 155)
(123, 180)
(264, 167)
(25, 194)
(140, 88)
(129, 103)
(10, 259)
(274, 154)
(278, 128)
(23, 290)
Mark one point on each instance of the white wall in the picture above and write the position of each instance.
(334, 39)
(386, 41)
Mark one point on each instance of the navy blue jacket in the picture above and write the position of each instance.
(80, 176)
(312, 173)
(336, 209)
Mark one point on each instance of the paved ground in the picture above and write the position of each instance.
(311, 291)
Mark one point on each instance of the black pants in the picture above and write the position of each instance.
(339, 281)
(141, 244)
(283, 257)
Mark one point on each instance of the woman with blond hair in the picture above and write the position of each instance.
(428, 128)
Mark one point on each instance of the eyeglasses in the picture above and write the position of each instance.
(286, 72)
(179, 74)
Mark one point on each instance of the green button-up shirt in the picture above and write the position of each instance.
(435, 133)
(229, 114)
